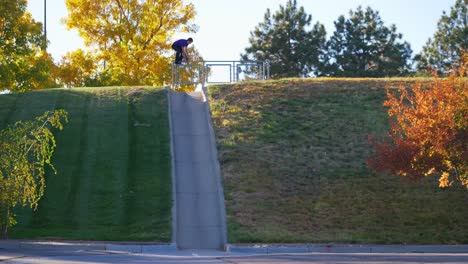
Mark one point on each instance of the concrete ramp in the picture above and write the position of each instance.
(199, 217)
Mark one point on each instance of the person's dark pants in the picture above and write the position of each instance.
(178, 56)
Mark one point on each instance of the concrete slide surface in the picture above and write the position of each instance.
(199, 213)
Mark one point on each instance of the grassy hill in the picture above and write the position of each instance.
(293, 155)
(113, 163)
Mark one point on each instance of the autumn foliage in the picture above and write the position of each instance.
(130, 39)
(429, 130)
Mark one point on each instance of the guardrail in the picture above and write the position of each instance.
(204, 72)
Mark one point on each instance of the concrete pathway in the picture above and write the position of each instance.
(199, 212)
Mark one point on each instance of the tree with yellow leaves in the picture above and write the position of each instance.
(77, 68)
(131, 38)
(24, 63)
(26, 148)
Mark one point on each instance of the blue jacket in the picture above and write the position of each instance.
(181, 43)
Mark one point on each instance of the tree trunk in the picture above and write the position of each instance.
(4, 234)
(460, 182)
(4, 221)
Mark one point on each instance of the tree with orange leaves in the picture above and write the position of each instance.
(429, 131)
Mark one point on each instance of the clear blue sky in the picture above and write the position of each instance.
(225, 25)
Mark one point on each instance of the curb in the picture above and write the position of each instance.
(86, 246)
(166, 249)
(245, 249)
(331, 248)
(51, 245)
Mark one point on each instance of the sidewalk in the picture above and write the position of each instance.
(232, 250)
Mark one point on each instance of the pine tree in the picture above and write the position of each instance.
(448, 43)
(362, 46)
(285, 40)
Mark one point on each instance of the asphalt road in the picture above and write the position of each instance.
(82, 257)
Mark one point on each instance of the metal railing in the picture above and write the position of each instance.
(203, 72)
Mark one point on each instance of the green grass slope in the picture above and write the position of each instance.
(113, 163)
(293, 154)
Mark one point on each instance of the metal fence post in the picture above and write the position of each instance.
(268, 69)
(263, 70)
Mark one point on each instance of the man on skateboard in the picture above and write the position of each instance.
(180, 46)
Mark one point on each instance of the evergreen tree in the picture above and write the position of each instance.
(286, 42)
(449, 42)
(362, 46)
